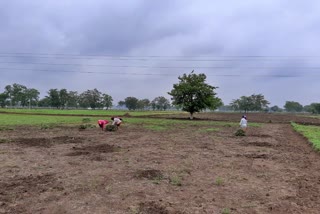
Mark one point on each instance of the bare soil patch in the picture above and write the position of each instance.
(135, 170)
(151, 208)
(149, 174)
(14, 192)
(86, 150)
(46, 142)
(259, 144)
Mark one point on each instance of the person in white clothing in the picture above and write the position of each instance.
(116, 121)
(243, 123)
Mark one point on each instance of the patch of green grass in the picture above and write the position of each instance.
(6, 128)
(219, 181)
(210, 130)
(157, 127)
(157, 179)
(46, 126)
(88, 112)
(86, 120)
(225, 211)
(240, 132)
(312, 133)
(175, 180)
(254, 124)
(14, 120)
(4, 140)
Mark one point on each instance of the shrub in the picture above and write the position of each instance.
(111, 128)
(86, 120)
(225, 211)
(83, 126)
(175, 180)
(240, 132)
(45, 126)
(219, 181)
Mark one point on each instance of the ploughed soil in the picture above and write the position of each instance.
(189, 168)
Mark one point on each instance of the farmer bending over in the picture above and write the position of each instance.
(116, 121)
(103, 123)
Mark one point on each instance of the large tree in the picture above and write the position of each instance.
(193, 94)
(131, 103)
(91, 98)
(275, 108)
(18, 94)
(160, 103)
(44, 102)
(54, 97)
(64, 98)
(143, 104)
(73, 99)
(250, 103)
(121, 103)
(292, 106)
(3, 99)
(32, 96)
(107, 101)
(312, 108)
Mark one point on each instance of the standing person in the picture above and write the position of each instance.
(243, 123)
(116, 121)
(102, 123)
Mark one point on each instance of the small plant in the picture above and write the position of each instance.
(6, 128)
(4, 141)
(225, 211)
(83, 126)
(45, 126)
(157, 179)
(219, 181)
(240, 132)
(111, 128)
(86, 120)
(175, 180)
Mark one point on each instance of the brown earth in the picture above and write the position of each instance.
(183, 170)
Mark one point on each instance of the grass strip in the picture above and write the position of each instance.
(87, 112)
(312, 133)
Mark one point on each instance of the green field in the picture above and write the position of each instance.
(310, 132)
(162, 124)
(15, 119)
(88, 112)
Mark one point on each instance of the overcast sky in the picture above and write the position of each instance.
(140, 47)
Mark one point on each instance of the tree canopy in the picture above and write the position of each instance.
(131, 103)
(313, 108)
(292, 106)
(160, 103)
(250, 103)
(193, 94)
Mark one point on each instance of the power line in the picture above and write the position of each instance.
(161, 67)
(155, 74)
(155, 57)
(160, 56)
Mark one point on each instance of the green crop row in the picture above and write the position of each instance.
(310, 132)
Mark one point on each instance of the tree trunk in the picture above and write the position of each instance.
(191, 116)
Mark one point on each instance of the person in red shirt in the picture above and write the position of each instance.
(102, 123)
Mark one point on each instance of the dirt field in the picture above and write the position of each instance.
(136, 170)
